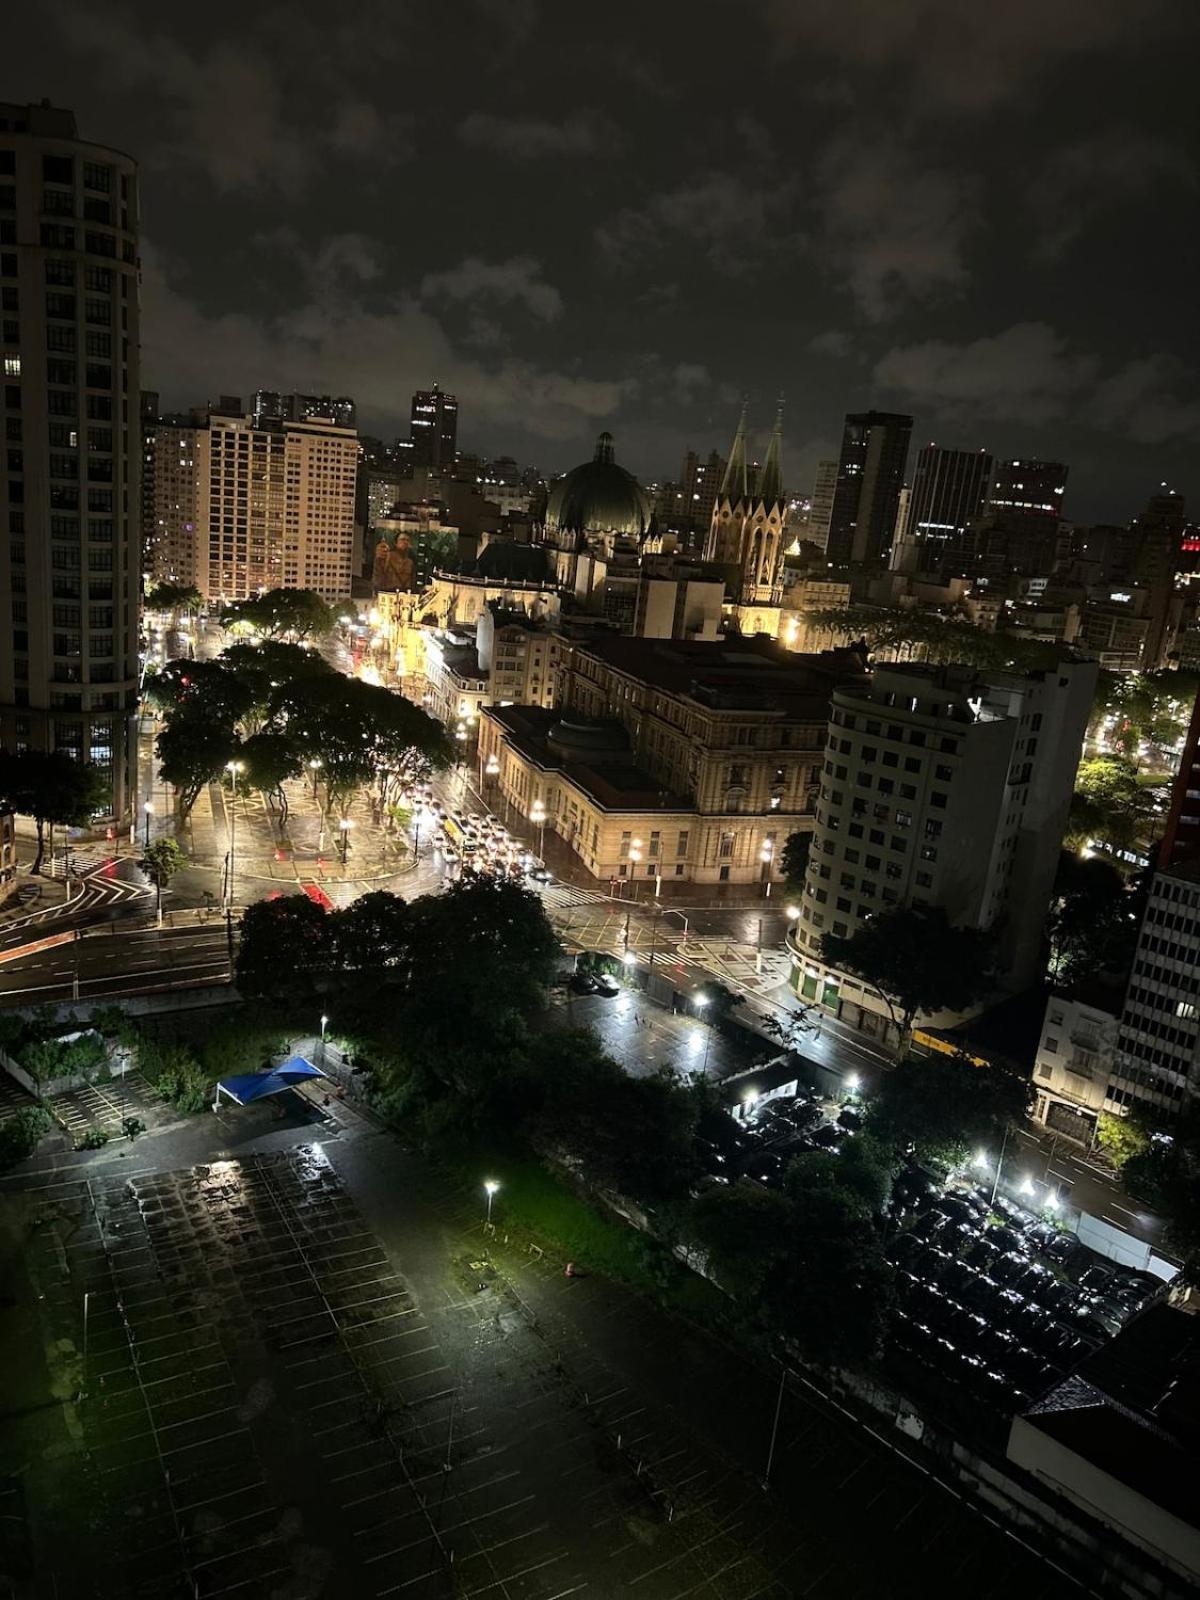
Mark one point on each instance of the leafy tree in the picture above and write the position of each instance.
(793, 859)
(362, 733)
(1123, 1138)
(287, 946)
(834, 1294)
(916, 961)
(20, 1135)
(746, 1231)
(192, 751)
(866, 1166)
(160, 861)
(719, 1000)
(268, 761)
(943, 1107)
(633, 1135)
(927, 636)
(174, 598)
(1109, 804)
(300, 613)
(265, 670)
(205, 689)
(373, 933)
(51, 787)
(1093, 921)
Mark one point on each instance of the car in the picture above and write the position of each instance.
(1004, 1237)
(928, 1225)
(607, 985)
(850, 1119)
(904, 1248)
(764, 1168)
(957, 1208)
(539, 872)
(827, 1136)
(582, 983)
(982, 1255)
(958, 1278)
(1095, 1279)
(932, 1263)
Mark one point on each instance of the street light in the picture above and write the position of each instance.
(324, 1022)
(344, 827)
(765, 855)
(232, 768)
(148, 808)
(314, 766)
(489, 1188)
(701, 1000)
(635, 855)
(793, 913)
(852, 1083)
(537, 815)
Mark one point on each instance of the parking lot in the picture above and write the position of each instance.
(993, 1299)
(103, 1107)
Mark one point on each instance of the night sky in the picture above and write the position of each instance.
(628, 216)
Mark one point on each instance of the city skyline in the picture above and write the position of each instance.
(952, 242)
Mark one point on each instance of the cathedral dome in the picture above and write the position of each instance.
(599, 496)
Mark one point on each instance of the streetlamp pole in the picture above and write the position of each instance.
(489, 1189)
(999, 1167)
(766, 1482)
(148, 811)
(233, 768)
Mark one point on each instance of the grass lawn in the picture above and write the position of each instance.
(533, 1201)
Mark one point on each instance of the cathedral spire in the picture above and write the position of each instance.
(770, 478)
(733, 484)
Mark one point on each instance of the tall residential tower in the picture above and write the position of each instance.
(71, 469)
(869, 478)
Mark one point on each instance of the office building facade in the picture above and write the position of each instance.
(671, 759)
(433, 430)
(870, 474)
(70, 472)
(949, 488)
(940, 787)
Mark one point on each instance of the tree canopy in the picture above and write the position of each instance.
(916, 960)
(1093, 921)
(174, 597)
(930, 636)
(944, 1107)
(51, 787)
(1110, 805)
(280, 613)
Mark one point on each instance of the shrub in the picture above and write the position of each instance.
(19, 1136)
(93, 1139)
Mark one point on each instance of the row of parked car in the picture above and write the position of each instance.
(988, 1295)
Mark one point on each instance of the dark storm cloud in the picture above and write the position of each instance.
(631, 219)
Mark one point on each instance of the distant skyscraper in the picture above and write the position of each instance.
(948, 491)
(820, 512)
(1158, 556)
(240, 507)
(70, 474)
(338, 409)
(433, 429)
(869, 475)
(1034, 488)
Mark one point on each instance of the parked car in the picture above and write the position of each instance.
(583, 983)
(607, 985)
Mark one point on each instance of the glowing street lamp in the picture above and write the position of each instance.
(324, 1025)
(765, 856)
(344, 827)
(489, 1188)
(537, 815)
(232, 768)
(314, 766)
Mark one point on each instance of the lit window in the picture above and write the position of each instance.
(12, 366)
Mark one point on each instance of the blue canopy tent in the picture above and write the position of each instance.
(250, 1086)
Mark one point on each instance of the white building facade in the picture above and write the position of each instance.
(947, 788)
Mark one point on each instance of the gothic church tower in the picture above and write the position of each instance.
(746, 534)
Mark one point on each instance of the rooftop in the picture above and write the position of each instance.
(1133, 1408)
(594, 755)
(733, 673)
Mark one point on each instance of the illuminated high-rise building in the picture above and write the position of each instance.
(433, 429)
(70, 472)
(948, 491)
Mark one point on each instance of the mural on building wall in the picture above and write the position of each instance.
(395, 565)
